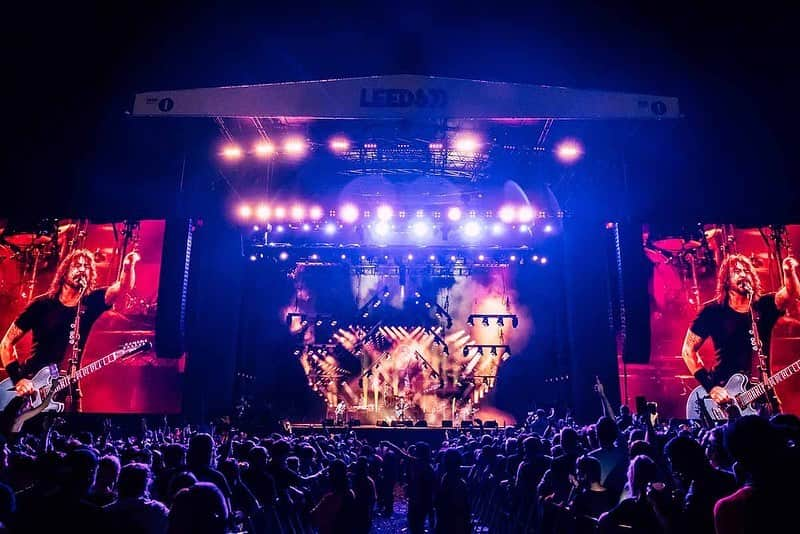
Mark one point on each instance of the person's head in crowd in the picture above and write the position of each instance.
(337, 476)
(637, 435)
(716, 452)
(422, 451)
(107, 473)
(257, 458)
(306, 453)
(361, 468)
(532, 446)
(174, 456)
(756, 447)
(231, 470)
(569, 440)
(587, 471)
(199, 509)
(511, 446)
(179, 481)
(788, 426)
(641, 472)
(80, 471)
(201, 451)
(144, 456)
(686, 458)
(293, 463)
(8, 504)
(134, 481)
(606, 431)
(280, 451)
(638, 447)
(452, 463)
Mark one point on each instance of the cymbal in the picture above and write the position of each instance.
(684, 377)
(25, 240)
(691, 244)
(670, 244)
(655, 256)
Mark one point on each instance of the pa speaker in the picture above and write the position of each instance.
(396, 424)
(355, 422)
(421, 424)
(466, 424)
(408, 423)
(382, 424)
(446, 423)
(490, 424)
(328, 422)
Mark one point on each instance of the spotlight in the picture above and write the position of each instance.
(306, 227)
(256, 228)
(420, 229)
(330, 229)
(294, 146)
(349, 213)
(506, 214)
(264, 149)
(252, 257)
(382, 229)
(524, 228)
(315, 213)
(385, 291)
(548, 228)
(543, 260)
(480, 350)
(232, 152)
(298, 212)
(384, 212)
(525, 214)
(279, 228)
(466, 351)
(514, 321)
(472, 229)
(499, 321)
(481, 257)
(245, 211)
(283, 256)
(339, 144)
(263, 212)
(432, 257)
(471, 320)
(280, 213)
(466, 145)
(497, 229)
(485, 321)
(512, 258)
(569, 151)
(454, 214)
(493, 352)
(410, 257)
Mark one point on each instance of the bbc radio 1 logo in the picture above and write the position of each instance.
(164, 105)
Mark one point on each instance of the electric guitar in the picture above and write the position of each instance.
(17, 409)
(701, 406)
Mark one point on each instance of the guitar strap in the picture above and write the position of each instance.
(773, 404)
(75, 356)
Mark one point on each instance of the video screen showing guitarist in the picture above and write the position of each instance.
(727, 320)
(73, 297)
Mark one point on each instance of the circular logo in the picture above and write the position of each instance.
(658, 107)
(166, 104)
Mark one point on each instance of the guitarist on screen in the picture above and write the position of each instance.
(728, 320)
(51, 319)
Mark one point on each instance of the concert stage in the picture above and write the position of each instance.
(401, 435)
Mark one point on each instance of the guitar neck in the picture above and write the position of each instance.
(85, 371)
(756, 391)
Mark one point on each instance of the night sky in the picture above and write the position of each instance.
(72, 74)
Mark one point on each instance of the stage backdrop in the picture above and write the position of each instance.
(30, 252)
(681, 268)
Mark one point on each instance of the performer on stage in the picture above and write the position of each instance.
(728, 322)
(52, 316)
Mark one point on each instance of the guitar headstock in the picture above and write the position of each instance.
(135, 347)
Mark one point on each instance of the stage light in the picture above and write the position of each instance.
(256, 228)
(315, 213)
(500, 321)
(315, 257)
(385, 291)
(339, 144)
(523, 228)
(481, 257)
(466, 144)
(263, 212)
(420, 229)
(514, 321)
(525, 214)
(279, 228)
(280, 213)
(232, 152)
(294, 146)
(507, 214)
(306, 227)
(535, 257)
(384, 212)
(465, 352)
(420, 214)
(245, 211)
(382, 229)
(543, 260)
(485, 321)
(432, 257)
(497, 229)
(252, 257)
(548, 228)
(452, 258)
(264, 149)
(569, 151)
(435, 146)
(472, 229)
(283, 256)
(298, 212)
(480, 350)
(471, 320)
(454, 214)
(512, 258)
(330, 229)
(410, 257)
(493, 352)
(343, 256)
(349, 213)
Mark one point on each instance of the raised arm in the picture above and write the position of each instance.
(8, 354)
(126, 280)
(790, 292)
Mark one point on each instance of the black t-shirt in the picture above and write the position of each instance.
(50, 322)
(730, 332)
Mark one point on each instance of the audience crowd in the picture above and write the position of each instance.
(624, 474)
